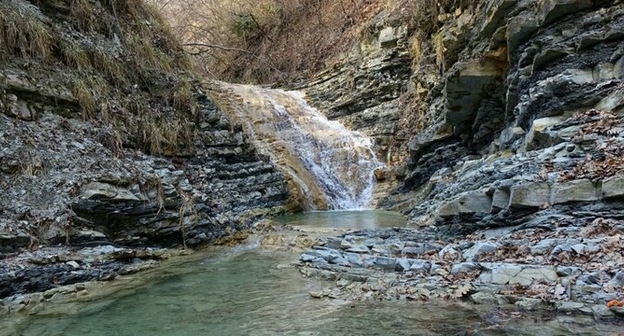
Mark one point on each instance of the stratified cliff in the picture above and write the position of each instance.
(509, 138)
(107, 137)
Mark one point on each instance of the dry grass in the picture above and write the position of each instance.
(183, 98)
(86, 99)
(74, 56)
(113, 59)
(110, 66)
(264, 41)
(23, 34)
(83, 15)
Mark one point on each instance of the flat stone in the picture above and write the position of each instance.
(550, 10)
(570, 307)
(510, 135)
(354, 259)
(479, 248)
(538, 136)
(388, 38)
(549, 244)
(475, 202)
(73, 264)
(386, 263)
(484, 298)
(402, 265)
(613, 187)
(528, 275)
(601, 311)
(358, 249)
(529, 304)
(308, 258)
(420, 266)
(575, 191)
(529, 195)
(464, 267)
(519, 30)
(97, 190)
(501, 275)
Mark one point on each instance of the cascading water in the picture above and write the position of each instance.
(330, 166)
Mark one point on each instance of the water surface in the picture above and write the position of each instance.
(346, 219)
(250, 290)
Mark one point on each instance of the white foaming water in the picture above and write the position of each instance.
(338, 163)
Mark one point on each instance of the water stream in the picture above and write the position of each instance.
(254, 290)
(330, 166)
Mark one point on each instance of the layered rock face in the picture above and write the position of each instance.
(518, 160)
(363, 90)
(530, 105)
(106, 138)
(328, 167)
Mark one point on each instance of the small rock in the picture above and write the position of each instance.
(479, 248)
(73, 264)
(317, 294)
(402, 265)
(464, 267)
(529, 304)
(484, 298)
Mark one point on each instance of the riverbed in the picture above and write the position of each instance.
(254, 289)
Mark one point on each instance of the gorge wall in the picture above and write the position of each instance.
(108, 138)
(507, 113)
(511, 132)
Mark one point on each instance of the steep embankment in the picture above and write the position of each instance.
(512, 131)
(107, 138)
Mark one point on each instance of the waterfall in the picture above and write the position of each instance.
(330, 166)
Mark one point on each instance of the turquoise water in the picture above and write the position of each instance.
(367, 219)
(253, 291)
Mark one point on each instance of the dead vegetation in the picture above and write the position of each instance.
(607, 157)
(267, 40)
(23, 33)
(118, 59)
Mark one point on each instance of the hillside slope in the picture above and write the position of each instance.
(108, 138)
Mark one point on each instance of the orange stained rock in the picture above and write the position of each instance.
(615, 303)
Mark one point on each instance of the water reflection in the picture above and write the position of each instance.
(345, 219)
(251, 291)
